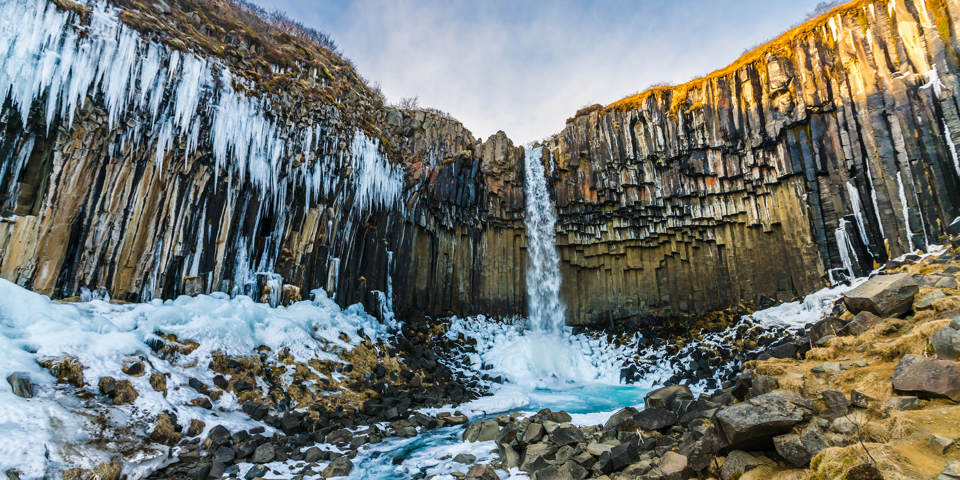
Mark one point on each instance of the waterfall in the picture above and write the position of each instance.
(546, 313)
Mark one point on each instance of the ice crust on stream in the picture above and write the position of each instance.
(58, 426)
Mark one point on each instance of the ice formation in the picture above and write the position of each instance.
(101, 336)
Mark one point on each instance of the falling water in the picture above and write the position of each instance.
(546, 312)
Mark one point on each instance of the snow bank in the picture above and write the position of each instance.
(57, 425)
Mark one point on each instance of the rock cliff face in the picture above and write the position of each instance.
(133, 166)
(808, 161)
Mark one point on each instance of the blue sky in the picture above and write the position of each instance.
(525, 66)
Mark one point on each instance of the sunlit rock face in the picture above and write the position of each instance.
(805, 162)
(150, 171)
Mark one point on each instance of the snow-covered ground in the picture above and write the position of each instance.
(57, 429)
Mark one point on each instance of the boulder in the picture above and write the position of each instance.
(655, 419)
(824, 328)
(567, 435)
(939, 444)
(757, 420)
(666, 397)
(946, 343)
(532, 434)
(618, 418)
(860, 323)
(737, 463)
(672, 466)
(507, 435)
(465, 458)
(339, 467)
(488, 431)
(860, 399)
(904, 403)
(20, 383)
(509, 457)
(799, 449)
(312, 455)
(928, 378)
(952, 472)
(928, 299)
(837, 402)
(536, 455)
(554, 472)
(479, 472)
(264, 453)
(883, 295)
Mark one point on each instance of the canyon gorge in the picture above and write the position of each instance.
(143, 167)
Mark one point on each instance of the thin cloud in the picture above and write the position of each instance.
(525, 67)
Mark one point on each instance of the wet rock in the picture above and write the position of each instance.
(265, 454)
(946, 344)
(665, 397)
(927, 378)
(465, 458)
(20, 383)
(759, 419)
(655, 419)
(737, 463)
(883, 295)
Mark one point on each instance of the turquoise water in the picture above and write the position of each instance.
(431, 453)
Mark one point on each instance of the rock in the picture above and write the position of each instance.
(597, 449)
(824, 328)
(927, 378)
(533, 433)
(20, 383)
(224, 455)
(507, 435)
(196, 427)
(946, 344)
(655, 418)
(257, 471)
(666, 397)
(618, 418)
(799, 449)
(883, 295)
(536, 455)
(124, 393)
(567, 435)
(479, 472)
(859, 399)
(927, 300)
(265, 454)
(672, 466)
(159, 382)
(904, 403)
(488, 431)
(340, 437)
(339, 467)
(625, 454)
(787, 351)
(737, 463)
(554, 472)
(836, 402)
(313, 454)
(219, 435)
(509, 457)
(939, 444)
(107, 386)
(465, 458)
(952, 472)
(759, 419)
(763, 384)
(165, 431)
(860, 323)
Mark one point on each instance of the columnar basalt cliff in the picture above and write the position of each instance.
(161, 151)
(810, 160)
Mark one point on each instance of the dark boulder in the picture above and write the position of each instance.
(883, 295)
(655, 419)
(928, 378)
(756, 421)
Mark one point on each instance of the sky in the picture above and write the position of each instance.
(525, 66)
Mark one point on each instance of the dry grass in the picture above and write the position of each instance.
(833, 463)
(914, 342)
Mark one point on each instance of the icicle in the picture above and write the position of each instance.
(906, 212)
(854, 195)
